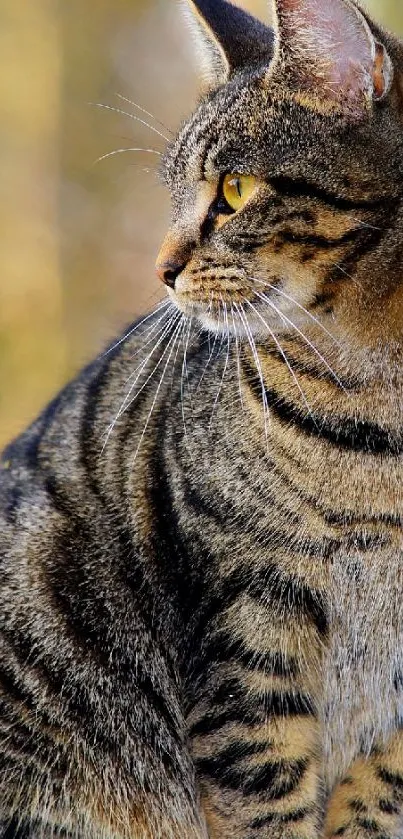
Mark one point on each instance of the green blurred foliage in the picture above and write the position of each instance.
(78, 239)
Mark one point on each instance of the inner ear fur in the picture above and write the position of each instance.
(329, 47)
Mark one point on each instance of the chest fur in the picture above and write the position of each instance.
(363, 698)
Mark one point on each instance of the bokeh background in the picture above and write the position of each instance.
(78, 239)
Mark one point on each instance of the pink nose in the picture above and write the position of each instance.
(168, 272)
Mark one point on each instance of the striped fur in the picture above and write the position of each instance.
(201, 538)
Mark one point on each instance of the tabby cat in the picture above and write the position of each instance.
(202, 536)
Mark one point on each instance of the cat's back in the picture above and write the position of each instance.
(63, 481)
(70, 439)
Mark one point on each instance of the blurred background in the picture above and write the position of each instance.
(78, 238)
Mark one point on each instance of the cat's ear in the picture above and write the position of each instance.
(329, 47)
(228, 39)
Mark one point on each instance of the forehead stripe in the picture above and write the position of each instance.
(197, 132)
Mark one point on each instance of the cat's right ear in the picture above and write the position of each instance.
(227, 39)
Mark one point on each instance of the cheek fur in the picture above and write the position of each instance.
(212, 281)
(296, 251)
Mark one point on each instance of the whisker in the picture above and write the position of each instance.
(216, 400)
(122, 151)
(143, 111)
(164, 304)
(221, 330)
(299, 306)
(152, 333)
(161, 334)
(173, 339)
(211, 353)
(129, 398)
(185, 367)
(252, 344)
(283, 354)
(238, 359)
(184, 323)
(365, 223)
(227, 326)
(131, 116)
(185, 375)
(304, 338)
(225, 316)
(343, 271)
(209, 310)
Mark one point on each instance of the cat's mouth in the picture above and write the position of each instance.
(245, 313)
(227, 300)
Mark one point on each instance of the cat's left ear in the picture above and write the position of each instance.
(227, 39)
(329, 47)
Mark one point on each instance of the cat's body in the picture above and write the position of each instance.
(202, 611)
(173, 595)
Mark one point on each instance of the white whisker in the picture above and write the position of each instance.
(304, 337)
(299, 306)
(252, 344)
(184, 324)
(343, 271)
(161, 334)
(211, 347)
(216, 400)
(164, 304)
(152, 332)
(283, 354)
(131, 116)
(172, 341)
(365, 223)
(143, 111)
(122, 151)
(129, 398)
(238, 359)
(185, 375)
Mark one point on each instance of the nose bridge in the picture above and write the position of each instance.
(177, 246)
(176, 250)
(184, 235)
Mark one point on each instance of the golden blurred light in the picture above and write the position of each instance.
(78, 240)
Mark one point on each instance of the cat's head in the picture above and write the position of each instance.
(286, 183)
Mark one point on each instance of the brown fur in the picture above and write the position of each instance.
(202, 619)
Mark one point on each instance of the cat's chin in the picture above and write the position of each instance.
(199, 312)
(230, 319)
(189, 308)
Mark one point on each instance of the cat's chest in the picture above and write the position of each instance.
(329, 521)
(363, 667)
(361, 679)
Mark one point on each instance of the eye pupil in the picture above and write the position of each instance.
(223, 207)
(238, 187)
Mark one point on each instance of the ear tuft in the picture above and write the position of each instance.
(228, 39)
(214, 66)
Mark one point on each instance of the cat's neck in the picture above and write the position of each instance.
(311, 374)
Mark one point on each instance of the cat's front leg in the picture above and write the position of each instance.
(368, 804)
(263, 784)
(255, 734)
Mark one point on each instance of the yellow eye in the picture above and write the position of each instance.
(237, 189)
